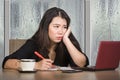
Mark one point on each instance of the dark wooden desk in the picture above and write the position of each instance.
(57, 75)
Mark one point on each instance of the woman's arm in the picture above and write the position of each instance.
(12, 64)
(77, 56)
(24, 52)
(44, 64)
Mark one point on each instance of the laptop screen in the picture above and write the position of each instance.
(108, 55)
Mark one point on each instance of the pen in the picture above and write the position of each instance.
(39, 55)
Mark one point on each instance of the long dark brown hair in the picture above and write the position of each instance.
(41, 37)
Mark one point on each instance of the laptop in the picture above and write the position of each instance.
(108, 57)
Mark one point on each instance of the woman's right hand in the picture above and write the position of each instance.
(44, 64)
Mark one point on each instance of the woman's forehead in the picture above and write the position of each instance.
(58, 20)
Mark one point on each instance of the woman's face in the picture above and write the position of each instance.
(57, 29)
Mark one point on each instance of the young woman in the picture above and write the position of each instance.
(54, 41)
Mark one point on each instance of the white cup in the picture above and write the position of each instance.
(27, 64)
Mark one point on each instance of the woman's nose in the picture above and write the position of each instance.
(60, 31)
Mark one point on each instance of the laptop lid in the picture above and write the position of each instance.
(108, 55)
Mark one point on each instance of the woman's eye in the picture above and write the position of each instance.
(56, 26)
(65, 27)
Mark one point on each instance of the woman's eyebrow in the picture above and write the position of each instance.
(56, 24)
(59, 24)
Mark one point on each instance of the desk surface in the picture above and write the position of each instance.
(58, 75)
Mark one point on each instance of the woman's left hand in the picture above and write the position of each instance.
(66, 35)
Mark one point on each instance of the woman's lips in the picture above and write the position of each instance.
(59, 38)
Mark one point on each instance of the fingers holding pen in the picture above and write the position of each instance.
(44, 64)
(47, 62)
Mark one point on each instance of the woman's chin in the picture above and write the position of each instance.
(57, 41)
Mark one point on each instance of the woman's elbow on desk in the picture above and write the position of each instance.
(12, 64)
